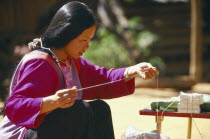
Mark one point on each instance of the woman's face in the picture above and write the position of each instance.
(78, 46)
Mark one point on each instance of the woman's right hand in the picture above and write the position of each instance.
(61, 99)
(66, 97)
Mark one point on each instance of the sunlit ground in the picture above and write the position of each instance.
(125, 112)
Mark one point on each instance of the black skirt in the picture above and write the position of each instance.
(84, 120)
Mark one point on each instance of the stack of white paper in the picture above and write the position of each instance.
(190, 103)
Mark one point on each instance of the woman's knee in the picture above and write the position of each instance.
(100, 106)
(103, 104)
(80, 109)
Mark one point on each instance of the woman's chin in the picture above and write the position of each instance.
(76, 57)
(80, 54)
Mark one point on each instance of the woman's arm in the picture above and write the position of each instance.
(37, 80)
(91, 75)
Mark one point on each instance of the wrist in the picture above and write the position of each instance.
(48, 104)
(130, 72)
(126, 75)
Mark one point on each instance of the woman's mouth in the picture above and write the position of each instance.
(81, 53)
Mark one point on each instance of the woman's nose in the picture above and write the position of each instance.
(87, 46)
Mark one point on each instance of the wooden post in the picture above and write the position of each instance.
(196, 41)
(159, 120)
(189, 129)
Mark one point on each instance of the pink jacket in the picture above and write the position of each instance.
(37, 78)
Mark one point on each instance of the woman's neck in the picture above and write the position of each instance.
(60, 53)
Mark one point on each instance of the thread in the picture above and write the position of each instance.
(106, 83)
(191, 117)
(196, 127)
(157, 95)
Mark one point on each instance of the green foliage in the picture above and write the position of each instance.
(144, 41)
(106, 50)
(136, 23)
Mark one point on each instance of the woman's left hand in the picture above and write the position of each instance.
(145, 70)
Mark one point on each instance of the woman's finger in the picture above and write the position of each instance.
(69, 95)
(153, 73)
(141, 74)
(68, 100)
(67, 105)
(147, 74)
(66, 91)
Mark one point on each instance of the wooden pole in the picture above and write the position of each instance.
(159, 120)
(189, 129)
(196, 41)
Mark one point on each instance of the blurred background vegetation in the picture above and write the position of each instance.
(129, 32)
(107, 51)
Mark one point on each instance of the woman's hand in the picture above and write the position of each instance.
(145, 70)
(61, 99)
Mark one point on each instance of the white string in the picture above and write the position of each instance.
(196, 127)
(106, 83)
(196, 124)
(157, 110)
(167, 107)
(191, 117)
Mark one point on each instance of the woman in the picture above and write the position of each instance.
(51, 82)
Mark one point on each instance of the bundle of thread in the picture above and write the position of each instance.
(190, 103)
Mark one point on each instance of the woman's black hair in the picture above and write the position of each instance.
(68, 23)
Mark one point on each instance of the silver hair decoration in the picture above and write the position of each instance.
(36, 44)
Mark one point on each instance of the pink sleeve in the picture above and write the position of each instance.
(93, 75)
(37, 79)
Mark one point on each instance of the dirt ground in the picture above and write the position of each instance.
(125, 112)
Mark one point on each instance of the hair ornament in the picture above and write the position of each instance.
(36, 44)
